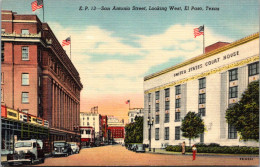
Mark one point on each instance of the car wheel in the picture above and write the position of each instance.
(32, 161)
(42, 160)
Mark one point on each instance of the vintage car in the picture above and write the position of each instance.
(61, 148)
(26, 151)
(74, 147)
(140, 148)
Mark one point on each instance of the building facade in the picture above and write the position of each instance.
(104, 127)
(37, 75)
(116, 130)
(87, 136)
(133, 112)
(92, 119)
(206, 84)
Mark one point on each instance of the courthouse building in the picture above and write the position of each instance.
(37, 75)
(206, 84)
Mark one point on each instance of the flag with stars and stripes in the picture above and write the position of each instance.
(37, 4)
(198, 31)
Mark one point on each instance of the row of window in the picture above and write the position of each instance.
(167, 133)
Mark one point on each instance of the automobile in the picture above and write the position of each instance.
(133, 147)
(26, 151)
(61, 148)
(74, 147)
(129, 146)
(140, 148)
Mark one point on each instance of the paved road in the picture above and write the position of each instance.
(117, 155)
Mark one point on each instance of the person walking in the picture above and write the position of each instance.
(194, 150)
(183, 148)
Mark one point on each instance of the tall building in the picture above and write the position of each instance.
(116, 129)
(133, 112)
(207, 84)
(37, 75)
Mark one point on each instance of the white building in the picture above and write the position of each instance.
(208, 84)
(133, 112)
(116, 129)
(91, 119)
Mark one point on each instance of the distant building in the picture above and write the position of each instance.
(104, 127)
(206, 84)
(116, 129)
(87, 136)
(92, 119)
(133, 112)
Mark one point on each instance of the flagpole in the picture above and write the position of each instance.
(203, 39)
(43, 10)
(70, 47)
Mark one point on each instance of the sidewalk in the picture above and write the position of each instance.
(163, 151)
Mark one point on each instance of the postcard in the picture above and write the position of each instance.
(129, 83)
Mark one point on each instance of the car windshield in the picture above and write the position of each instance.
(73, 144)
(59, 144)
(23, 144)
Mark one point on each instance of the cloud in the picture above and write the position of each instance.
(118, 75)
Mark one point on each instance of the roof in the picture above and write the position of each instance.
(203, 56)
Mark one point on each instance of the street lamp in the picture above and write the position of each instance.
(150, 123)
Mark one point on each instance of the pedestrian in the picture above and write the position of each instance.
(183, 148)
(194, 150)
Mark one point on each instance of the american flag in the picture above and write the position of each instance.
(37, 4)
(66, 42)
(128, 101)
(198, 31)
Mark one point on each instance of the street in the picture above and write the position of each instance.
(116, 155)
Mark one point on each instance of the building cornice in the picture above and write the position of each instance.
(213, 71)
(203, 56)
(20, 21)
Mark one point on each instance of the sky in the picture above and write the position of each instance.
(114, 50)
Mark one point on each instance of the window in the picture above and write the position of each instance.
(167, 105)
(177, 133)
(166, 133)
(202, 98)
(202, 112)
(233, 75)
(87, 118)
(2, 95)
(2, 51)
(25, 97)
(25, 53)
(177, 103)
(132, 120)
(88, 123)
(157, 107)
(157, 95)
(202, 83)
(87, 131)
(157, 119)
(81, 131)
(93, 118)
(156, 133)
(25, 79)
(253, 69)
(25, 110)
(2, 78)
(149, 97)
(177, 116)
(166, 117)
(202, 137)
(232, 132)
(167, 92)
(233, 92)
(178, 90)
(25, 32)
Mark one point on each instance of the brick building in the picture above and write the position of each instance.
(104, 127)
(37, 75)
(116, 129)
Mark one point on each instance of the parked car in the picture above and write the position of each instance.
(27, 151)
(74, 147)
(133, 147)
(61, 148)
(140, 148)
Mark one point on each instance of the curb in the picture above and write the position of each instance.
(203, 154)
